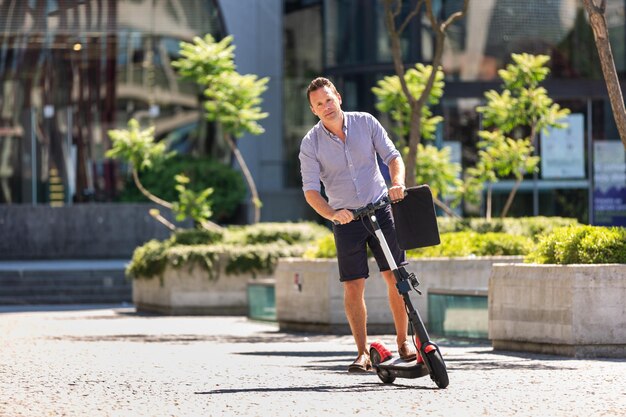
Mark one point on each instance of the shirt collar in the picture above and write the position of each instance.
(345, 125)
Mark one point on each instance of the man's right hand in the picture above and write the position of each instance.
(342, 216)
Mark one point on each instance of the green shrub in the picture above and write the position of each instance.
(259, 258)
(475, 244)
(244, 249)
(148, 260)
(323, 248)
(452, 244)
(581, 245)
(290, 233)
(229, 188)
(196, 237)
(532, 227)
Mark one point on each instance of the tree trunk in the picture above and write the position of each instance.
(256, 201)
(445, 208)
(488, 209)
(416, 105)
(509, 200)
(601, 36)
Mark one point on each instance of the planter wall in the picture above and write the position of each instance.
(189, 291)
(572, 310)
(80, 231)
(309, 296)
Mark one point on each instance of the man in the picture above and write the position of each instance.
(340, 150)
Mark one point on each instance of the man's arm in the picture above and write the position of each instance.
(398, 174)
(321, 206)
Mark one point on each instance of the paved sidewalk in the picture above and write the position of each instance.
(93, 361)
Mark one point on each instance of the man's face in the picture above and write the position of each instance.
(325, 104)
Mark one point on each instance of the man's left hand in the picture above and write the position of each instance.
(396, 193)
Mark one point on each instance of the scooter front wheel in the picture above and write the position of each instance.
(438, 373)
(376, 359)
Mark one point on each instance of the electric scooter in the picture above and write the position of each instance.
(428, 360)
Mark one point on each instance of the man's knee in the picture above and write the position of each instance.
(354, 288)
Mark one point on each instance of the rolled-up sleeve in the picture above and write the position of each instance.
(309, 165)
(383, 145)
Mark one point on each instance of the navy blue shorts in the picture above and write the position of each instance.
(352, 239)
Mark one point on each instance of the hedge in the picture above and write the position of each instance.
(452, 244)
(581, 245)
(244, 249)
(532, 227)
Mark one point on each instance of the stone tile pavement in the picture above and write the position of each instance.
(110, 361)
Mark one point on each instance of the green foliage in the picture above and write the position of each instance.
(290, 233)
(196, 237)
(260, 258)
(228, 186)
(232, 99)
(391, 99)
(206, 257)
(506, 156)
(239, 249)
(523, 108)
(465, 243)
(522, 102)
(148, 260)
(324, 248)
(205, 58)
(435, 169)
(137, 146)
(475, 244)
(532, 227)
(190, 203)
(581, 245)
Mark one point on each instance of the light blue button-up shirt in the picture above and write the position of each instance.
(349, 171)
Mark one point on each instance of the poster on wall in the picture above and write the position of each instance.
(609, 191)
(563, 150)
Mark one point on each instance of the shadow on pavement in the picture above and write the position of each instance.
(320, 388)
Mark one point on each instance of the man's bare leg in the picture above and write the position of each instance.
(398, 311)
(356, 312)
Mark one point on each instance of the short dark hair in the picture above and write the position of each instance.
(316, 84)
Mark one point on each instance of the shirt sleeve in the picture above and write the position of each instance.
(309, 165)
(383, 145)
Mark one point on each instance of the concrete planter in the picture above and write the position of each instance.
(189, 291)
(309, 296)
(572, 310)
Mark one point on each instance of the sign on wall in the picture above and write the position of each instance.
(563, 150)
(609, 189)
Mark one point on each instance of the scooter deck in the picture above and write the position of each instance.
(404, 369)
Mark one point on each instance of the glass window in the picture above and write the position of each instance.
(558, 28)
(70, 71)
(303, 63)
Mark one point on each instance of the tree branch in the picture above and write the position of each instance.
(147, 193)
(410, 16)
(601, 36)
(454, 17)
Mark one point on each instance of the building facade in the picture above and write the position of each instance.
(71, 70)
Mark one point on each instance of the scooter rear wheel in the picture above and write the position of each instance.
(438, 374)
(384, 376)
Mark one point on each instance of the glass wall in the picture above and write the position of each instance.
(357, 54)
(72, 70)
(303, 62)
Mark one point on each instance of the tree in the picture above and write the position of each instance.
(430, 166)
(416, 99)
(137, 147)
(232, 99)
(515, 117)
(596, 11)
